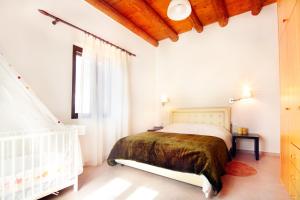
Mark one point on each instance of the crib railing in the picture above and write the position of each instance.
(34, 164)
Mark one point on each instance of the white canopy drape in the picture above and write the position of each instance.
(20, 109)
(31, 125)
(102, 95)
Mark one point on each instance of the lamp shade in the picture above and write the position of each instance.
(179, 9)
(164, 99)
(247, 92)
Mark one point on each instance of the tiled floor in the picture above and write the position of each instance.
(105, 182)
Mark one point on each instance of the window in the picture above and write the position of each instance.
(77, 64)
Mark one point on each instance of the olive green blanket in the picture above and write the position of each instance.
(196, 154)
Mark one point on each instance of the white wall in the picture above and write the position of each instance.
(42, 54)
(209, 68)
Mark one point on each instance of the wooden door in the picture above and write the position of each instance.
(289, 45)
(284, 153)
(291, 68)
(294, 34)
(285, 8)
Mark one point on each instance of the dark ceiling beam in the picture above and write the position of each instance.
(154, 16)
(221, 12)
(114, 14)
(196, 22)
(256, 6)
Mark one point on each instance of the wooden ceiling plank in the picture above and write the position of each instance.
(153, 25)
(256, 6)
(221, 12)
(145, 7)
(114, 14)
(196, 22)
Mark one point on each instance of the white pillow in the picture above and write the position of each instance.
(200, 129)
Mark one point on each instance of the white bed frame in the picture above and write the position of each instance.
(220, 116)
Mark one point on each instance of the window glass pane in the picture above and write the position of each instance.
(78, 85)
(82, 92)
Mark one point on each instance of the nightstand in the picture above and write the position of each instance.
(155, 128)
(251, 136)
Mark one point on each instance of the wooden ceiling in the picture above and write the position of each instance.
(148, 18)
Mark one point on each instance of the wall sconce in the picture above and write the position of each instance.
(247, 94)
(164, 99)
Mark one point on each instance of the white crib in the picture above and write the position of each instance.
(34, 164)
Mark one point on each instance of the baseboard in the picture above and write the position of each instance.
(261, 152)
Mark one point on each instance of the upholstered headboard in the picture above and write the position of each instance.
(220, 116)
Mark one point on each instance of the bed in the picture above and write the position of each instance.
(193, 148)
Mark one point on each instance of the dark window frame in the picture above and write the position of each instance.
(77, 51)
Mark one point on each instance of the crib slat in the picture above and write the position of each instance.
(49, 153)
(32, 167)
(23, 167)
(70, 154)
(75, 152)
(2, 167)
(63, 154)
(40, 163)
(14, 168)
(64, 145)
(56, 159)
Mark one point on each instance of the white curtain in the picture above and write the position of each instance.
(102, 98)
